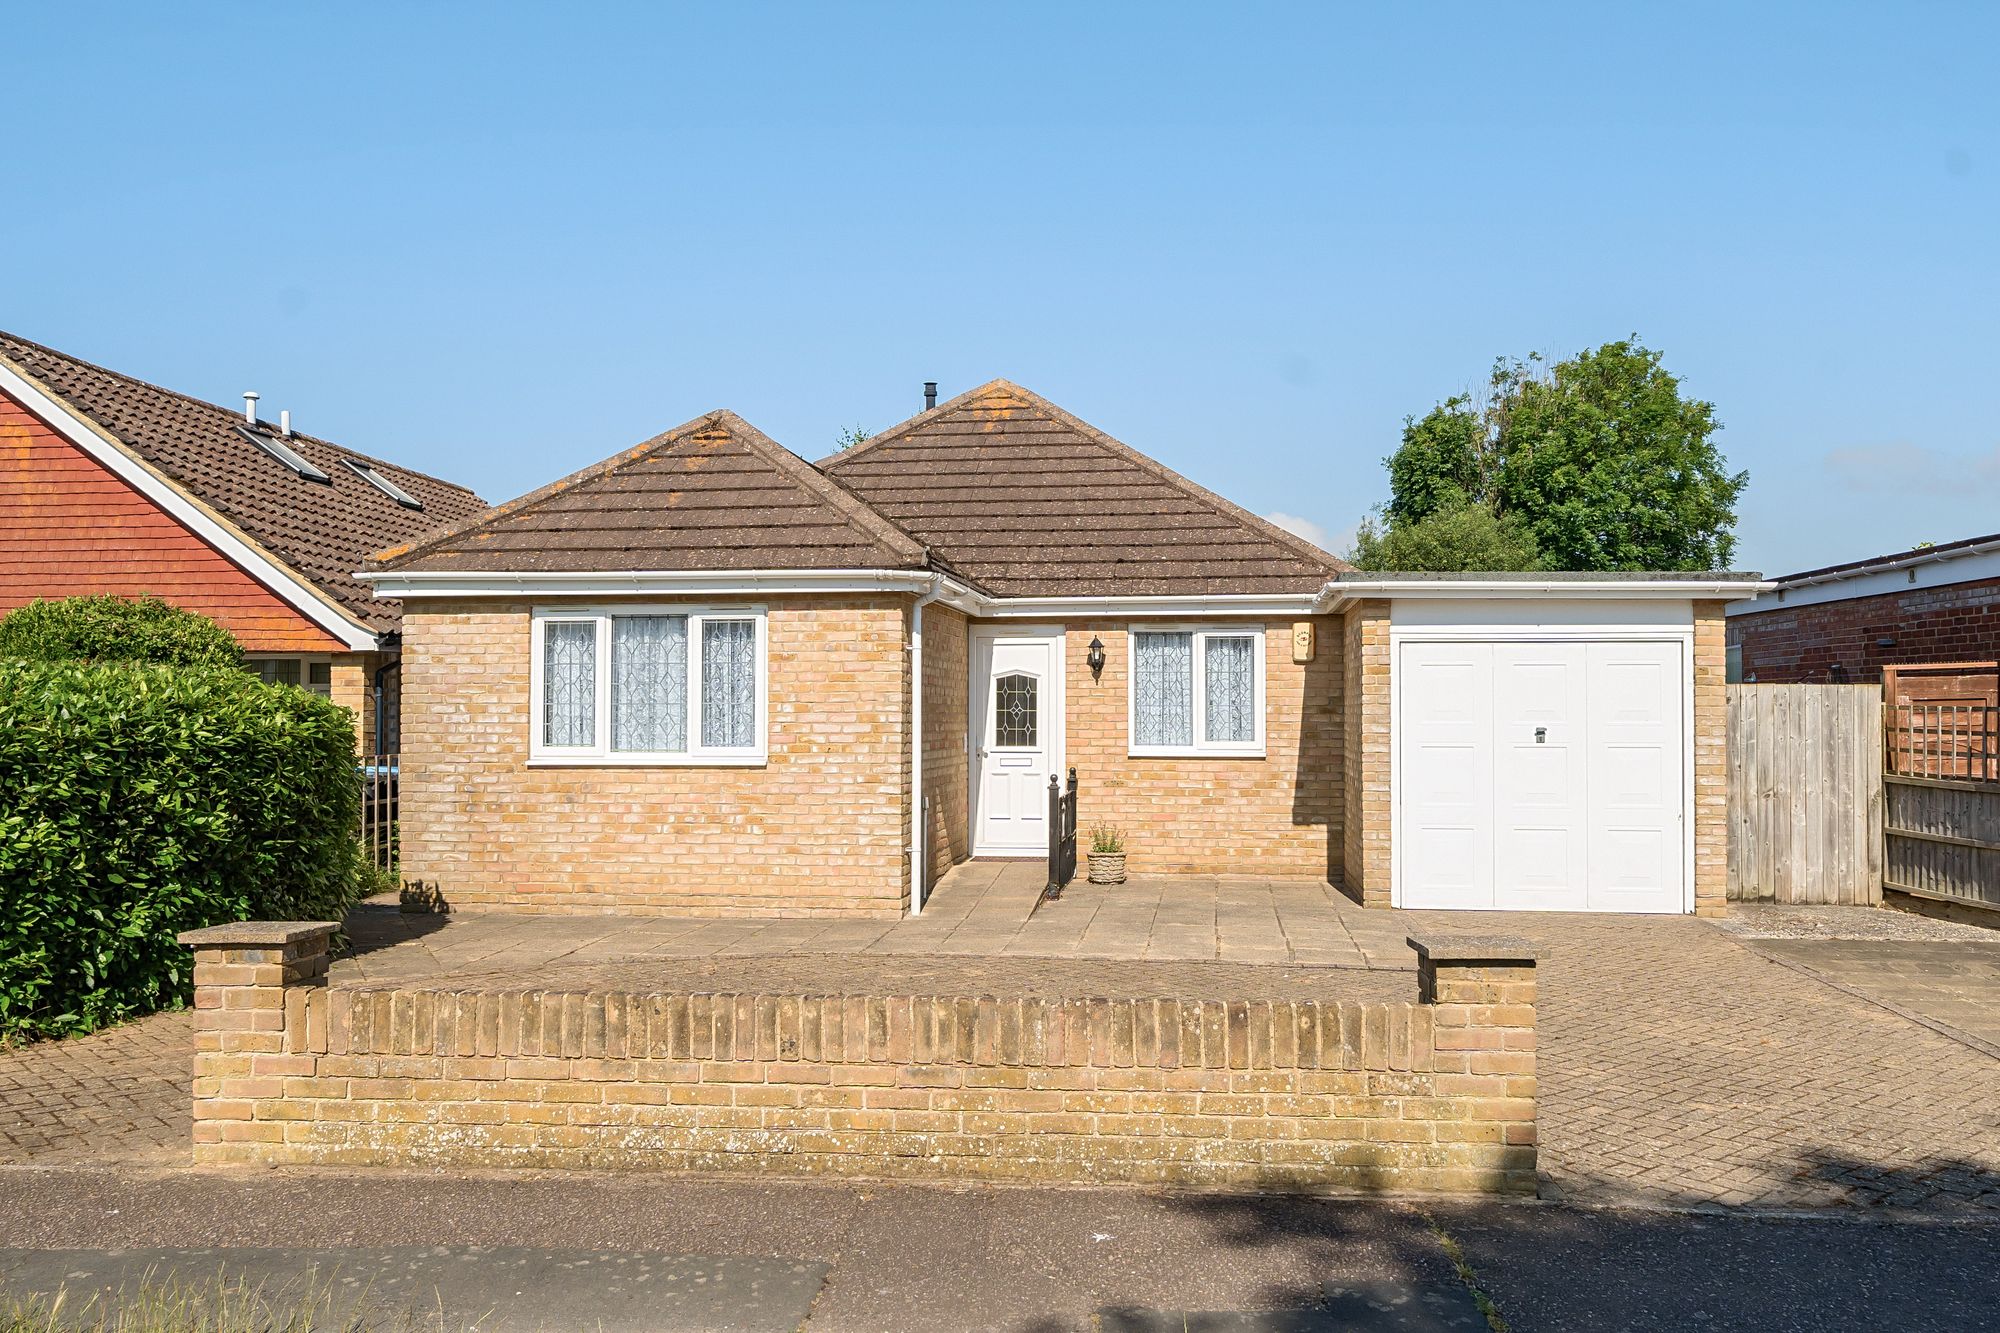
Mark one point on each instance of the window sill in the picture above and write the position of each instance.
(1184, 752)
(646, 761)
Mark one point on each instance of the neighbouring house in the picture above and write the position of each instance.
(1845, 623)
(112, 485)
(706, 674)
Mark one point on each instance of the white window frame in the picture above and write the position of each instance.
(306, 661)
(600, 754)
(1201, 749)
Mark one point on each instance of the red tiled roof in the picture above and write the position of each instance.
(320, 530)
(1026, 500)
(714, 494)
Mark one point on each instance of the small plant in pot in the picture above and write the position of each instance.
(1107, 855)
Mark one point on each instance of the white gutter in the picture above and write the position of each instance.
(729, 582)
(1924, 557)
(917, 825)
(1342, 591)
(678, 582)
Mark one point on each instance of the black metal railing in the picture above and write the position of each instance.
(379, 780)
(1062, 835)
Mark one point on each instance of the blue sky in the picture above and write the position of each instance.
(500, 242)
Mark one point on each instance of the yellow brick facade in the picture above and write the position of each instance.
(1435, 1094)
(821, 829)
(947, 770)
(1711, 762)
(1365, 767)
(1278, 814)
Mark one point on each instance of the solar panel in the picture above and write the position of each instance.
(284, 453)
(383, 484)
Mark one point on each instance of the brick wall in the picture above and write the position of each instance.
(1433, 1095)
(822, 829)
(353, 687)
(947, 765)
(1956, 623)
(1711, 761)
(1275, 815)
(1365, 767)
(69, 527)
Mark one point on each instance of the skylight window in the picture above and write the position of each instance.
(383, 484)
(284, 453)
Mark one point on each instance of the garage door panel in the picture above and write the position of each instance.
(1539, 806)
(1444, 846)
(1637, 778)
(1541, 775)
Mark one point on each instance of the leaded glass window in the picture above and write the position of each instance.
(569, 683)
(1162, 688)
(649, 683)
(728, 684)
(1014, 709)
(645, 685)
(1197, 691)
(1229, 688)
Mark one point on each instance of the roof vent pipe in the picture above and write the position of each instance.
(930, 394)
(250, 397)
(285, 423)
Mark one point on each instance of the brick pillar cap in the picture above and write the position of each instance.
(1444, 948)
(257, 934)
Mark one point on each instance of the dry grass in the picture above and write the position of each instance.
(221, 1306)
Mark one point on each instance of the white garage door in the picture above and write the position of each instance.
(1542, 776)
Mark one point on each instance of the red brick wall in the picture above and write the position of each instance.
(1959, 622)
(68, 527)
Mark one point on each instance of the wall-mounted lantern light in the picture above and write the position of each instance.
(1095, 657)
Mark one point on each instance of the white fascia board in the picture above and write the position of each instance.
(1912, 573)
(414, 584)
(237, 548)
(1340, 593)
(1236, 606)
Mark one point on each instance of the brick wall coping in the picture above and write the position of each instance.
(257, 934)
(1502, 949)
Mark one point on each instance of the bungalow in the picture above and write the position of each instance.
(708, 675)
(113, 485)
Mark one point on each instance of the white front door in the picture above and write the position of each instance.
(1016, 738)
(1541, 776)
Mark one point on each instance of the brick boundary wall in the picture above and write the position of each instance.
(1435, 1095)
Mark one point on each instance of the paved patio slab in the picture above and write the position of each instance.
(1679, 1066)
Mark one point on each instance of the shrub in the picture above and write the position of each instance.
(137, 801)
(116, 629)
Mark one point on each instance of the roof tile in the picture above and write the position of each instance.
(320, 529)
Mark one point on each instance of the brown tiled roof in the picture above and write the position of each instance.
(713, 494)
(1027, 501)
(320, 530)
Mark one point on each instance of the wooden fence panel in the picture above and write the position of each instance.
(1944, 840)
(1805, 793)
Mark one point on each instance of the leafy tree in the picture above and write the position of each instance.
(116, 629)
(1469, 536)
(849, 437)
(1598, 461)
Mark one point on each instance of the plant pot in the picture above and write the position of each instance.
(1107, 867)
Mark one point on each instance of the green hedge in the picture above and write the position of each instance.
(137, 801)
(116, 629)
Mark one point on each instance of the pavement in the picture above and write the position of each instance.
(1791, 1121)
(559, 1250)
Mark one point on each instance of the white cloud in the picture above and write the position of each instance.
(1298, 527)
(1868, 468)
(1316, 533)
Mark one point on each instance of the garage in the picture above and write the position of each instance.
(1542, 737)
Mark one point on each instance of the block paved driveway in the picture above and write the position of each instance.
(1680, 1065)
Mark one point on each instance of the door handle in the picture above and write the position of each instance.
(1541, 735)
(982, 752)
